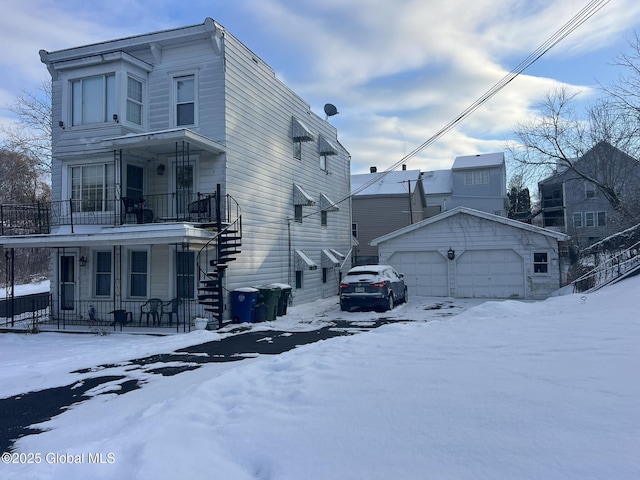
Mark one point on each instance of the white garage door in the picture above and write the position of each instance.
(490, 274)
(425, 273)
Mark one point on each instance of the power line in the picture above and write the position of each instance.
(576, 21)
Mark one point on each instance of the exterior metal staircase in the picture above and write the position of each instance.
(214, 257)
(614, 269)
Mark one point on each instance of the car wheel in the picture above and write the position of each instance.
(405, 299)
(390, 304)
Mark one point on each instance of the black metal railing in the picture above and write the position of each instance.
(176, 314)
(40, 217)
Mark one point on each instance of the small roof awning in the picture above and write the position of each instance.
(304, 262)
(300, 197)
(164, 141)
(329, 259)
(327, 204)
(299, 131)
(325, 146)
(337, 254)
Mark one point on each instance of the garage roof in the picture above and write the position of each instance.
(476, 213)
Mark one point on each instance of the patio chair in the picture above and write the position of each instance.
(151, 308)
(135, 206)
(170, 309)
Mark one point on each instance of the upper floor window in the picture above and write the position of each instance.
(478, 177)
(185, 91)
(92, 186)
(589, 190)
(93, 99)
(134, 101)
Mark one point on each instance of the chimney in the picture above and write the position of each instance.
(373, 169)
(404, 167)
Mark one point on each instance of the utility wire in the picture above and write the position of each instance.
(576, 21)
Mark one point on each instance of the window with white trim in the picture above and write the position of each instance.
(185, 96)
(589, 190)
(93, 99)
(92, 186)
(577, 219)
(134, 100)
(478, 177)
(589, 219)
(540, 262)
(138, 273)
(103, 268)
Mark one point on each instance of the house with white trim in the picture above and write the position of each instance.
(182, 169)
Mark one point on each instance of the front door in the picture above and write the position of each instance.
(67, 285)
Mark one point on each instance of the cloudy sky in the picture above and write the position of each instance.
(398, 71)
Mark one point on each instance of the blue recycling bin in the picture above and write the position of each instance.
(243, 302)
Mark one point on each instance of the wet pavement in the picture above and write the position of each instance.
(19, 412)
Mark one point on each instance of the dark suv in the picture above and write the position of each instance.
(372, 286)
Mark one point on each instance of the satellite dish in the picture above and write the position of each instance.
(330, 110)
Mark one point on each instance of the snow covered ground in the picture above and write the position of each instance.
(503, 390)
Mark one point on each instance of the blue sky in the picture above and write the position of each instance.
(397, 71)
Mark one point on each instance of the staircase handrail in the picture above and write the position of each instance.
(612, 269)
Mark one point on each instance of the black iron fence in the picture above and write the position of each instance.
(38, 218)
(176, 314)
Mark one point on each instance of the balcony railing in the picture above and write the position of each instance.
(39, 218)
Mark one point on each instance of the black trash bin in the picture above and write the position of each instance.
(283, 300)
(269, 295)
(243, 302)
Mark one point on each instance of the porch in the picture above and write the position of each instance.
(91, 316)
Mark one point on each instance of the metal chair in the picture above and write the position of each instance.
(151, 308)
(170, 309)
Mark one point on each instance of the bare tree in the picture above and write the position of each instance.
(31, 134)
(625, 91)
(556, 140)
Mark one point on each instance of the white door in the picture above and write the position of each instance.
(425, 273)
(490, 274)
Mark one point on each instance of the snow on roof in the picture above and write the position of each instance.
(476, 213)
(437, 181)
(388, 183)
(479, 160)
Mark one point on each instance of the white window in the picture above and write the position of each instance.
(577, 219)
(93, 99)
(297, 213)
(354, 230)
(323, 162)
(103, 266)
(478, 177)
(323, 218)
(134, 101)
(185, 95)
(138, 273)
(297, 149)
(589, 219)
(540, 262)
(92, 188)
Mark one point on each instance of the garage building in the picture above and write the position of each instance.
(466, 253)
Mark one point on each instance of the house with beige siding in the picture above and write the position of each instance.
(182, 170)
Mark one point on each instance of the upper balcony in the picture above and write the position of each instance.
(40, 218)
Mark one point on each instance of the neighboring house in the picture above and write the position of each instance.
(183, 169)
(468, 253)
(572, 204)
(382, 203)
(474, 181)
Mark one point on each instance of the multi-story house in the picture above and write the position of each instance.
(474, 181)
(183, 170)
(383, 203)
(574, 204)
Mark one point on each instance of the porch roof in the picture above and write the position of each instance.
(163, 142)
(153, 233)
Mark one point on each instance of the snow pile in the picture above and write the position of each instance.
(504, 390)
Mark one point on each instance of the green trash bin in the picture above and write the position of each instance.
(283, 301)
(269, 296)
